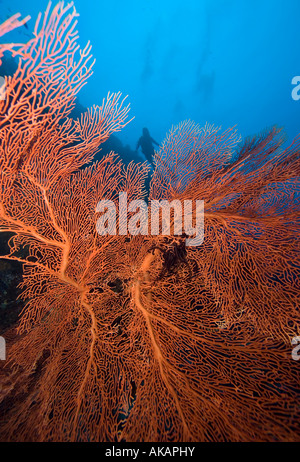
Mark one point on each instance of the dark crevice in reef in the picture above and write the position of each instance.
(10, 278)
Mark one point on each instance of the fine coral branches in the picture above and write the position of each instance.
(12, 23)
(140, 337)
(7, 26)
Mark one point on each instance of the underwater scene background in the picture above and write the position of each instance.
(138, 336)
(225, 62)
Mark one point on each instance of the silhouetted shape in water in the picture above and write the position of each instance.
(146, 143)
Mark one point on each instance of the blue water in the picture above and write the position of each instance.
(227, 62)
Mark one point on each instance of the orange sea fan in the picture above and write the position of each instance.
(142, 338)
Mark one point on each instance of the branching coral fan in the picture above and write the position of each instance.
(142, 338)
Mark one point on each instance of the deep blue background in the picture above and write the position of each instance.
(227, 62)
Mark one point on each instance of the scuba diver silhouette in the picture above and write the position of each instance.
(145, 141)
